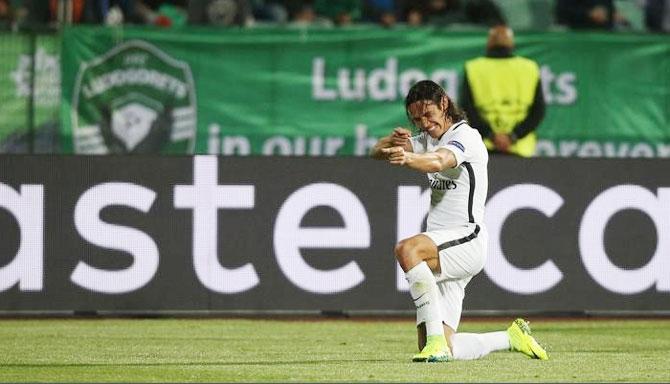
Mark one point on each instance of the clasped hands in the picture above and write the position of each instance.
(502, 142)
(396, 153)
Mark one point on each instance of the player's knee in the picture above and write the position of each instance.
(399, 250)
(406, 254)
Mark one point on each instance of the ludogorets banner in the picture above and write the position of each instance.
(333, 92)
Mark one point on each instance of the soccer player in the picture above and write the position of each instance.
(440, 262)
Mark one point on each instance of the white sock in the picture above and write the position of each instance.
(470, 346)
(423, 288)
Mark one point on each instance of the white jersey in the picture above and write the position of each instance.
(458, 194)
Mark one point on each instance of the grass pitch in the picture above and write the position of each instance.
(224, 350)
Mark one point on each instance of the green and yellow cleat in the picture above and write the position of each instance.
(435, 351)
(521, 340)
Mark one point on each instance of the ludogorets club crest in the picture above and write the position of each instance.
(134, 99)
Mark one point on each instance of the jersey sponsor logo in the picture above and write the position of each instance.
(439, 182)
(442, 185)
(457, 145)
(134, 99)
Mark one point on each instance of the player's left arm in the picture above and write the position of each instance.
(429, 162)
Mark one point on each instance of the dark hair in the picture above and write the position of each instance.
(428, 90)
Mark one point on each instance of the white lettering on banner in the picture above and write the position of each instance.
(409, 77)
(280, 143)
(592, 239)
(566, 84)
(214, 139)
(27, 207)
(298, 146)
(42, 78)
(383, 83)
(112, 236)
(235, 145)
(363, 142)
(206, 197)
(330, 145)
(388, 83)
(571, 148)
(445, 77)
(283, 145)
(135, 76)
(663, 150)
(563, 82)
(498, 209)
(357, 92)
(319, 91)
(289, 237)
(412, 210)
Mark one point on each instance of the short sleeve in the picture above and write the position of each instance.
(458, 149)
(461, 145)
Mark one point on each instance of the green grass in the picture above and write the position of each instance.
(221, 350)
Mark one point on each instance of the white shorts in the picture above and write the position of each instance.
(462, 253)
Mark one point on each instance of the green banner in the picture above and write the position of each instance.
(333, 92)
(29, 123)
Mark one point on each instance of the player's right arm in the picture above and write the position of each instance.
(430, 162)
(398, 138)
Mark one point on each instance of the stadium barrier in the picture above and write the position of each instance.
(205, 234)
